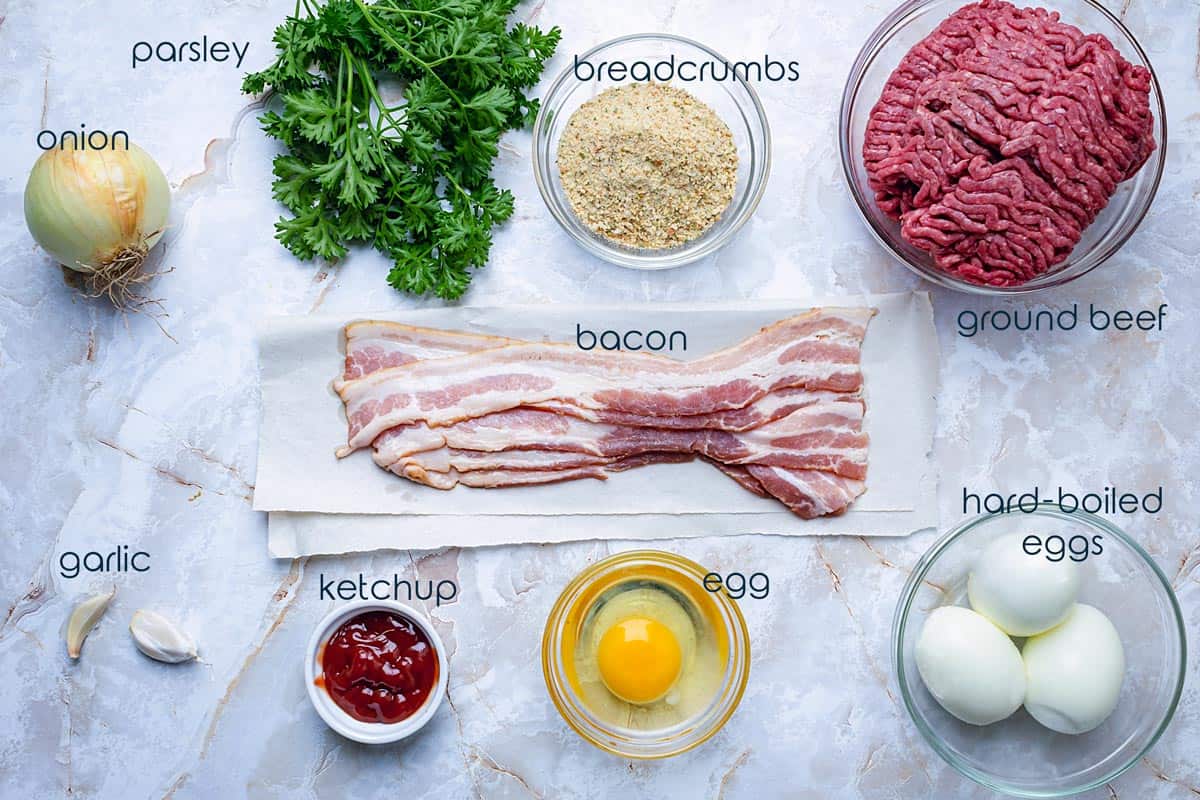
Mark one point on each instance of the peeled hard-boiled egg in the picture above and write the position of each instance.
(970, 666)
(1074, 672)
(1022, 594)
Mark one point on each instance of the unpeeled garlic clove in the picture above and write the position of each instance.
(159, 638)
(84, 617)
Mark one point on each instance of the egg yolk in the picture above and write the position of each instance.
(639, 659)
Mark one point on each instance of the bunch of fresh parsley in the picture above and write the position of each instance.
(412, 178)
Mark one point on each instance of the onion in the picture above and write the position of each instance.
(99, 212)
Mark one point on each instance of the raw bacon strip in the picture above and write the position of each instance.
(497, 478)
(808, 493)
(742, 475)
(819, 350)
(372, 346)
(825, 435)
(776, 405)
(516, 429)
(490, 479)
(447, 459)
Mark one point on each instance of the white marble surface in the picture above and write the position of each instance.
(114, 433)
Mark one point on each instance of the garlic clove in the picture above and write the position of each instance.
(84, 617)
(159, 638)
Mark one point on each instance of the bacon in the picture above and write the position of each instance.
(776, 405)
(816, 351)
(808, 493)
(500, 477)
(742, 475)
(780, 413)
(449, 459)
(494, 478)
(825, 435)
(372, 345)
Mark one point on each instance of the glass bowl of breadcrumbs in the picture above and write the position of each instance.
(652, 150)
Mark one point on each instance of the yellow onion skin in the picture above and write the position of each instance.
(84, 207)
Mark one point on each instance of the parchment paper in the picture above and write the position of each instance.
(319, 504)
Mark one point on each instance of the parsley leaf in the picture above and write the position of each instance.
(413, 178)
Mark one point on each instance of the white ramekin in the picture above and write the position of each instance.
(339, 720)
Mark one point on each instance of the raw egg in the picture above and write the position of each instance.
(647, 655)
(640, 659)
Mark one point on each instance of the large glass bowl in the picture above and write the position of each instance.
(913, 21)
(565, 623)
(1018, 756)
(734, 101)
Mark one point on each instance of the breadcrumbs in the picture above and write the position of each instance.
(647, 165)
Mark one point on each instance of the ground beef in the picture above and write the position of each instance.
(1001, 136)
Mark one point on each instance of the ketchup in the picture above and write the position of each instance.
(379, 667)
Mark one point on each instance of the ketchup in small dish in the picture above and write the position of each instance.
(379, 667)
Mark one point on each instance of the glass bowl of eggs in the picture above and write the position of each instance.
(1040, 652)
(641, 659)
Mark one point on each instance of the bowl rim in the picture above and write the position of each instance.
(648, 260)
(850, 92)
(739, 667)
(908, 596)
(333, 715)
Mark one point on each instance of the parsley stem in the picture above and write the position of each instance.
(387, 37)
(340, 78)
(412, 11)
(461, 190)
(417, 12)
(363, 70)
(348, 60)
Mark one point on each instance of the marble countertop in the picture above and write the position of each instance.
(114, 433)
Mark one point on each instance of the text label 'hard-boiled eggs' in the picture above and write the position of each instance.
(1108, 500)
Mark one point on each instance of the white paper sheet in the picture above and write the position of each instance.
(319, 504)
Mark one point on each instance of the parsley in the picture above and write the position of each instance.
(413, 179)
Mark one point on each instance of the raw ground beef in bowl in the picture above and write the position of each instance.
(999, 138)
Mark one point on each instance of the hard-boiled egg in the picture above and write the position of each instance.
(1022, 594)
(970, 666)
(1074, 672)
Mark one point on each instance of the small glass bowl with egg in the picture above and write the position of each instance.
(641, 659)
(1041, 653)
